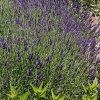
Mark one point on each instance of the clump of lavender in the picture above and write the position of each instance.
(48, 41)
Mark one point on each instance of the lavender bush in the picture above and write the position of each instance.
(46, 41)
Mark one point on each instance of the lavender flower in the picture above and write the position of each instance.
(85, 69)
(67, 41)
(25, 48)
(11, 38)
(18, 53)
(18, 21)
(62, 50)
(29, 72)
(30, 56)
(72, 52)
(8, 75)
(51, 40)
(4, 45)
(5, 84)
(73, 74)
(69, 66)
(40, 76)
(37, 58)
(25, 43)
(18, 40)
(6, 63)
(93, 43)
(41, 64)
(25, 90)
(57, 67)
(76, 56)
(36, 83)
(18, 58)
(1, 40)
(48, 59)
(76, 68)
(97, 62)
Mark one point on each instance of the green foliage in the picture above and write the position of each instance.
(24, 96)
(58, 97)
(91, 92)
(14, 94)
(40, 92)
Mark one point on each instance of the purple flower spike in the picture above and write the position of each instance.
(76, 56)
(97, 62)
(85, 69)
(59, 37)
(48, 59)
(40, 76)
(4, 45)
(36, 82)
(18, 21)
(67, 42)
(25, 43)
(57, 67)
(11, 38)
(73, 75)
(1, 39)
(30, 56)
(26, 48)
(25, 90)
(69, 66)
(76, 68)
(5, 84)
(62, 50)
(72, 52)
(92, 44)
(6, 63)
(37, 58)
(51, 40)
(18, 58)
(29, 72)
(18, 53)
(8, 75)
(92, 77)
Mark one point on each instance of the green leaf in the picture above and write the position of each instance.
(41, 98)
(94, 85)
(94, 95)
(43, 95)
(44, 89)
(95, 98)
(84, 88)
(53, 95)
(40, 87)
(14, 92)
(84, 97)
(90, 86)
(24, 96)
(12, 89)
(62, 98)
(35, 89)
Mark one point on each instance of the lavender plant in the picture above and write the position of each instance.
(46, 41)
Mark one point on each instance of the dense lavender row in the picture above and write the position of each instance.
(47, 40)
